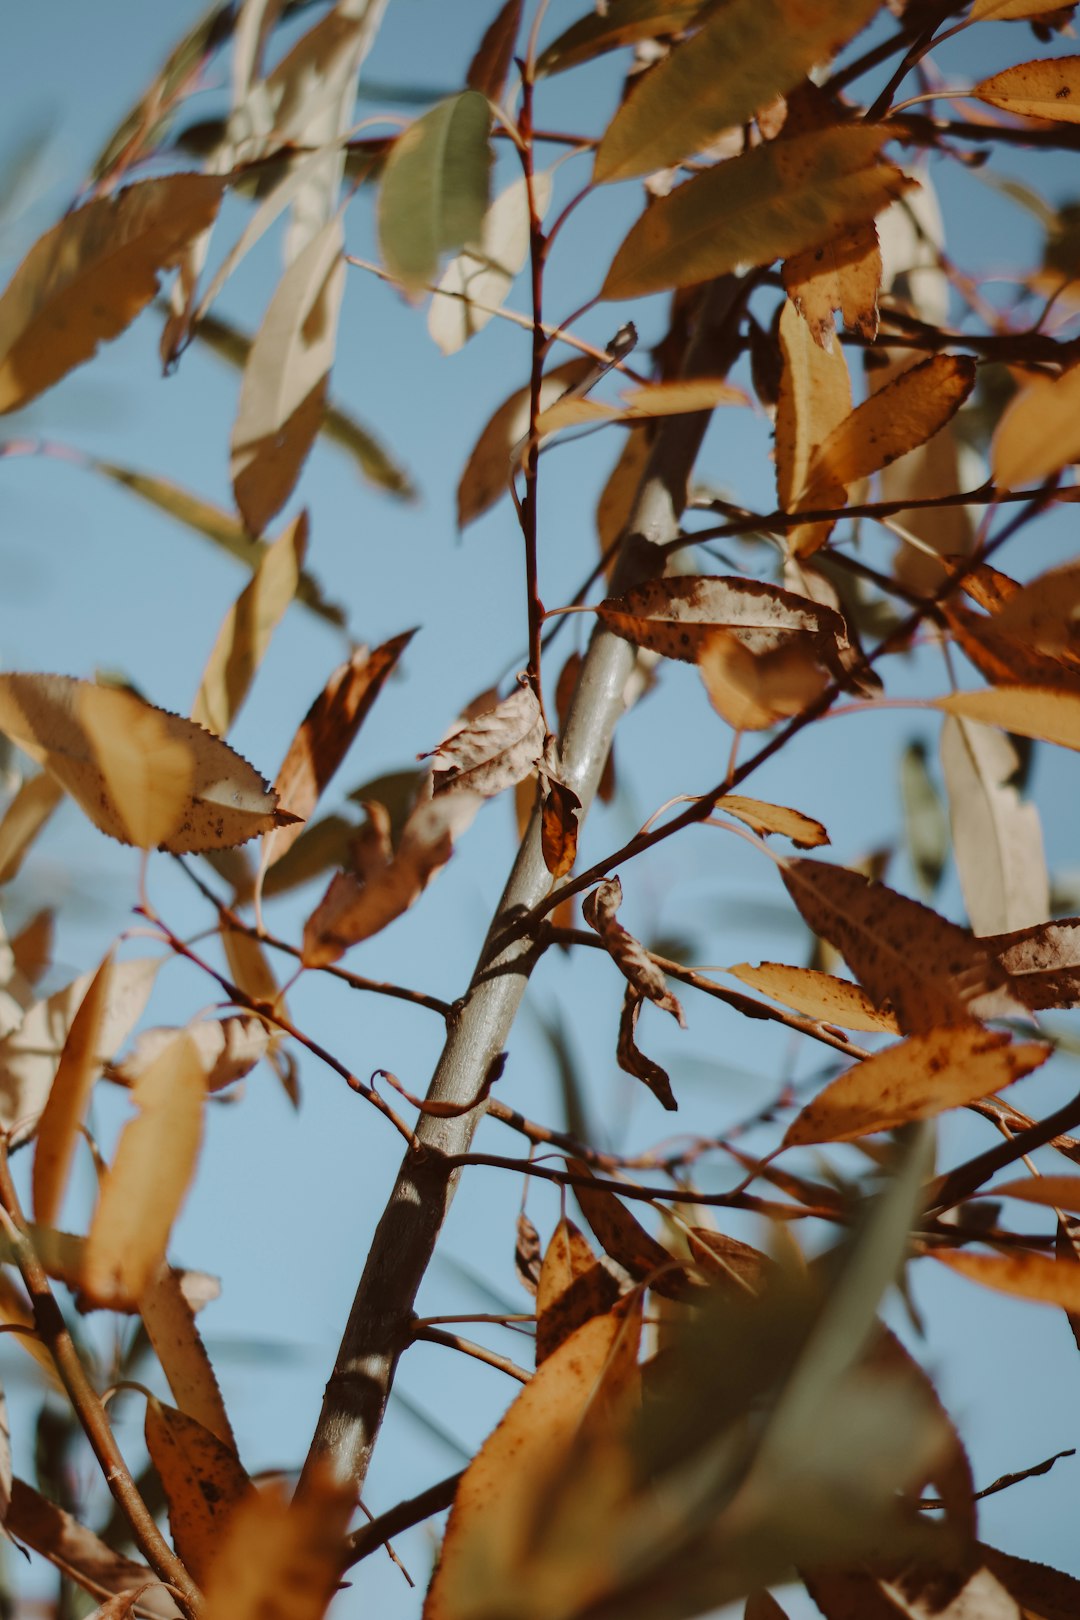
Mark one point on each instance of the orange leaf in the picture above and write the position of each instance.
(804, 831)
(843, 273)
(573, 1288)
(1047, 88)
(169, 1320)
(1032, 711)
(202, 1480)
(1030, 1276)
(818, 995)
(487, 472)
(25, 816)
(629, 955)
(58, 1128)
(559, 827)
(920, 1077)
(1059, 1192)
(815, 394)
(1039, 432)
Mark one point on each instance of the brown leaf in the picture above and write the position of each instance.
(1030, 1276)
(997, 837)
(1041, 965)
(79, 1554)
(356, 906)
(527, 1254)
(573, 1288)
(229, 1049)
(818, 995)
(1031, 711)
(559, 826)
(499, 1493)
(1043, 613)
(141, 774)
(281, 1559)
(843, 274)
(144, 1187)
(58, 1130)
(728, 1264)
(487, 471)
(25, 816)
(489, 67)
(169, 1320)
(85, 280)
(623, 1237)
(1044, 1593)
(632, 1060)
(493, 750)
(752, 691)
(1039, 431)
(1047, 88)
(804, 831)
(1058, 1192)
(680, 398)
(629, 955)
(763, 1606)
(932, 973)
(202, 1479)
(618, 495)
(1005, 660)
(326, 734)
(245, 633)
(287, 378)
(920, 1077)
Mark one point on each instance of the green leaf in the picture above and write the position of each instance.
(746, 54)
(622, 22)
(770, 203)
(435, 190)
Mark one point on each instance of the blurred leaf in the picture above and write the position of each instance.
(435, 188)
(476, 283)
(494, 56)
(924, 819)
(59, 1128)
(78, 1553)
(1033, 711)
(169, 1319)
(24, 818)
(996, 836)
(573, 1288)
(203, 1481)
(487, 471)
(620, 22)
(1039, 432)
(281, 1558)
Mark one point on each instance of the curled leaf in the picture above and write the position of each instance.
(493, 750)
(628, 953)
(573, 1288)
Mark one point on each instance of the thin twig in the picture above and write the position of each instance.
(370, 1537)
(454, 1341)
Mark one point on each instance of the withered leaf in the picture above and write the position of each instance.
(600, 31)
(559, 826)
(169, 1319)
(281, 1558)
(736, 1267)
(1041, 964)
(624, 1238)
(932, 973)
(814, 395)
(1031, 711)
(202, 1479)
(842, 274)
(33, 804)
(617, 498)
(58, 1131)
(144, 1187)
(573, 1288)
(487, 471)
(1047, 88)
(997, 837)
(326, 734)
(680, 398)
(628, 953)
(527, 1254)
(632, 1060)
(1028, 1275)
(1057, 1192)
(752, 691)
(229, 1049)
(78, 1553)
(495, 54)
(141, 774)
(85, 280)
(818, 995)
(804, 831)
(286, 379)
(916, 1079)
(1039, 431)
(493, 750)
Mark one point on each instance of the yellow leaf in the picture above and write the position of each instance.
(573, 1287)
(79, 1067)
(804, 831)
(286, 379)
(245, 634)
(920, 1077)
(1039, 432)
(491, 1522)
(280, 1561)
(24, 818)
(85, 280)
(768, 203)
(144, 1187)
(1048, 88)
(202, 1480)
(818, 995)
(620, 492)
(815, 394)
(1030, 1276)
(753, 691)
(843, 274)
(487, 471)
(141, 774)
(641, 404)
(1030, 711)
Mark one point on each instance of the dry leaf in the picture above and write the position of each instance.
(487, 471)
(616, 503)
(527, 1254)
(804, 831)
(632, 1060)
(1041, 964)
(495, 54)
(752, 691)
(202, 1480)
(146, 1183)
(475, 284)
(245, 634)
(573, 1288)
(25, 816)
(1031, 711)
(79, 1554)
(1043, 614)
(85, 280)
(559, 826)
(1058, 1192)
(920, 1077)
(491, 1520)
(228, 1047)
(493, 750)
(286, 379)
(734, 1267)
(58, 1131)
(30, 1054)
(628, 953)
(818, 995)
(1048, 88)
(1039, 431)
(1030, 1276)
(842, 274)
(814, 396)
(997, 838)
(358, 905)
(142, 775)
(169, 1319)
(932, 973)
(680, 398)
(623, 1237)
(278, 1560)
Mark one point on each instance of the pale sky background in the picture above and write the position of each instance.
(284, 1205)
